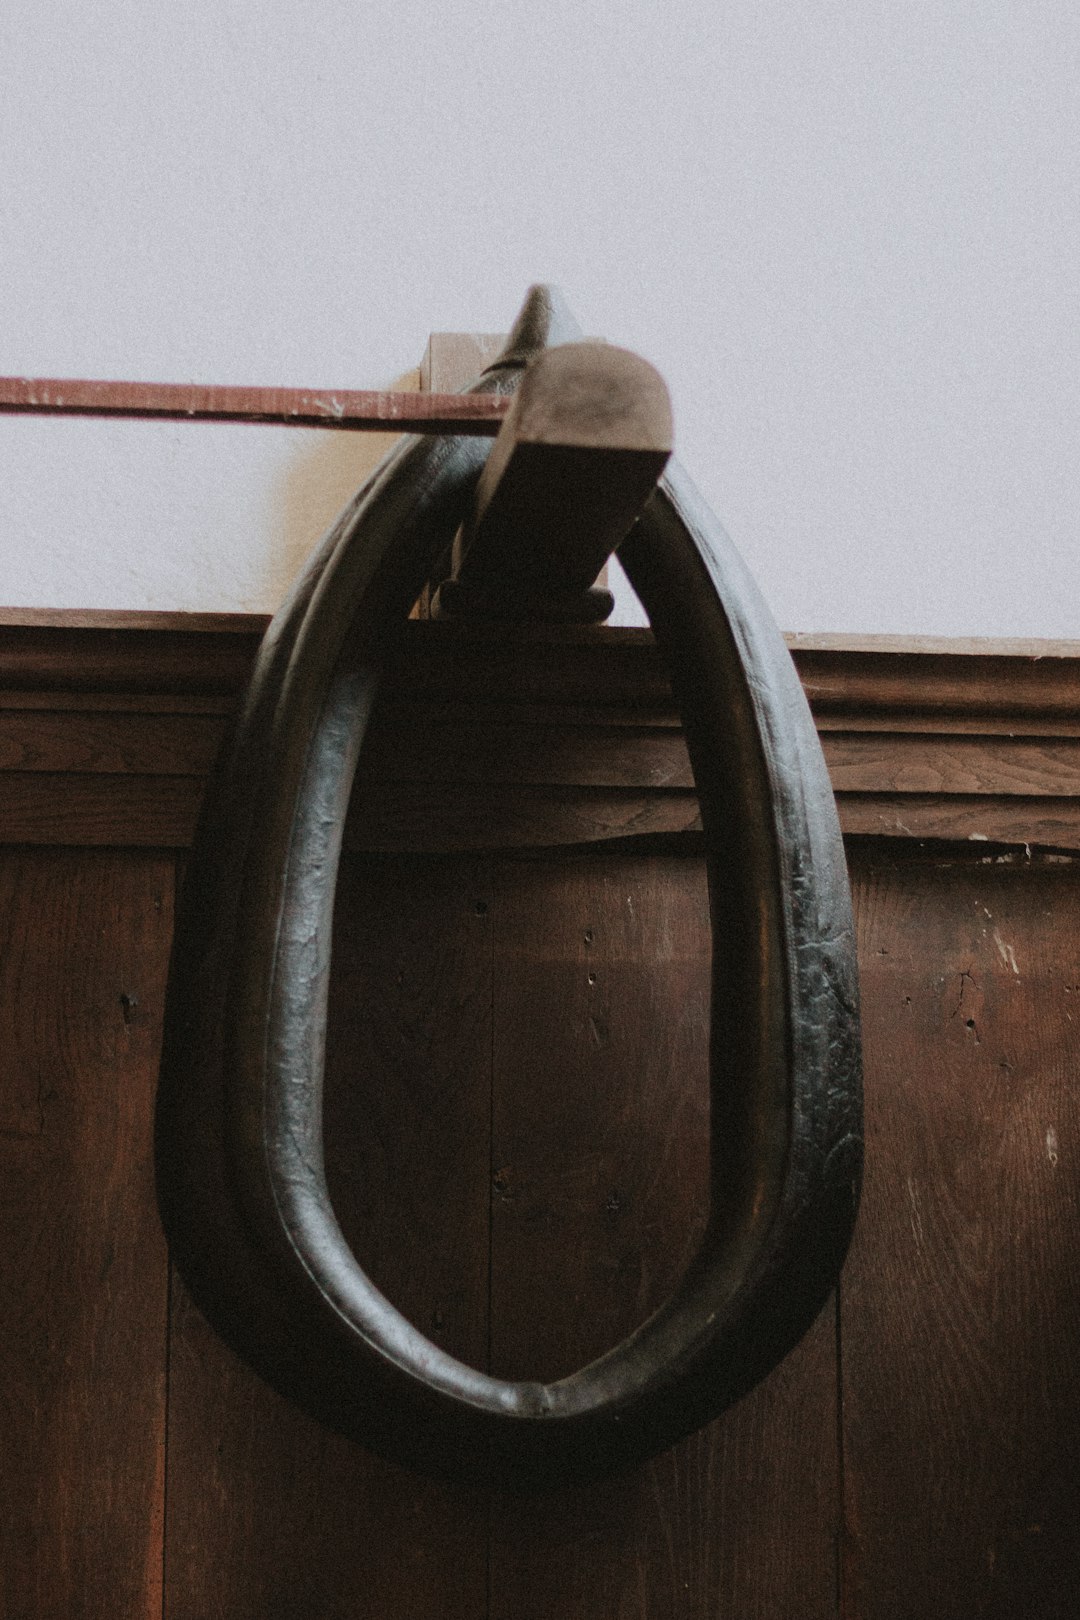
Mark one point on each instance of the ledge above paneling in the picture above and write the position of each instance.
(503, 738)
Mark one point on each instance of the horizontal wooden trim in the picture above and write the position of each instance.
(876, 680)
(1037, 823)
(495, 737)
(38, 618)
(160, 812)
(954, 646)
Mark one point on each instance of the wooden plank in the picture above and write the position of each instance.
(1052, 823)
(447, 744)
(139, 812)
(344, 409)
(857, 688)
(95, 810)
(927, 764)
(599, 1175)
(82, 1259)
(75, 705)
(43, 658)
(95, 722)
(961, 1316)
(408, 816)
(187, 624)
(1021, 728)
(161, 811)
(96, 742)
(954, 646)
(406, 743)
(269, 1515)
(940, 682)
(501, 751)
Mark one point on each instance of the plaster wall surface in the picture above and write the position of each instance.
(846, 232)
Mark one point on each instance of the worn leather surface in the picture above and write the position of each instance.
(239, 1130)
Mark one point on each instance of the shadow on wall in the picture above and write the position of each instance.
(323, 474)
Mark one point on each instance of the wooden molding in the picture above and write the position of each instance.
(499, 737)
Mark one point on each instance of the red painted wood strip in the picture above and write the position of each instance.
(358, 410)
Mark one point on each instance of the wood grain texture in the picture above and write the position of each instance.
(271, 1517)
(601, 1108)
(121, 656)
(82, 1259)
(961, 1317)
(1041, 679)
(599, 1174)
(960, 1320)
(585, 440)
(107, 725)
(922, 763)
(975, 818)
(740, 1519)
(345, 409)
(107, 742)
(91, 810)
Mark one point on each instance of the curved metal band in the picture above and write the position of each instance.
(240, 1161)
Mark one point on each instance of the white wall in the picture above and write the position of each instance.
(846, 231)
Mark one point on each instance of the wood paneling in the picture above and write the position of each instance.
(601, 1103)
(516, 1115)
(961, 1316)
(484, 736)
(270, 1517)
(600, 1144)
(82, 1259)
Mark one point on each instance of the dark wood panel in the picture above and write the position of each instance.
(454, 743)
(925, 763)
(271, 1517)
(878, 679)
(740, 1519)
(496, 750)
(161, 812)
(961, 1321)
(600, 1191)
(128, 744)
(1054, 823)
(406, 743)
(119, 656)
(601, 1101)
(411, 816)
(941, 678)
(82, 1259)
(408, 1086)
(148, 812)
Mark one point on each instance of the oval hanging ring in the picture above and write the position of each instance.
(239, 1127)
